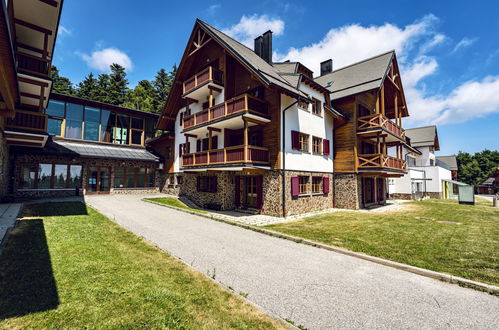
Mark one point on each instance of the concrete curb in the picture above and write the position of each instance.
(492, 289)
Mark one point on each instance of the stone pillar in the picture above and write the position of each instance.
(347, 191)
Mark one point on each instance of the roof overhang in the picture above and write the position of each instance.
(15, 138)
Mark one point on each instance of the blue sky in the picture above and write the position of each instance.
(448, 51)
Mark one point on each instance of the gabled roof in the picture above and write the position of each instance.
(451, 161)
(286, 67)
(261, 68)
(426, 136)
(358, 77)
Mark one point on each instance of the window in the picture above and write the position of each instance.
(317, 107)
(60, 176)
(317, 182)
(92, 123)
(108, 120)
(411, 161)
(130, 177)
(137, 130)
(121, 129)
(303, 184)
(180, 179)
(317, 145)
(44, 176)
(207, 184)
(74, 120)
(28, 177)
(432, 162)
(149, 128)
(55, 109)
(303, 138)
(119, 177)
(151, 177)
(74, 176)
(54, 126)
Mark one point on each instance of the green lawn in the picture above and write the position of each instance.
(469, 249)
(67, 266)
(172, 201)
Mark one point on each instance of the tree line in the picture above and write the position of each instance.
(476, 168)
(113, 88)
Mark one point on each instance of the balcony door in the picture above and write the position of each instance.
(98, 180)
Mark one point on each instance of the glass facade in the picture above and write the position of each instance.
(50, 176)
(132, 177)
(60, 175)
(75, 121)
(44, 176)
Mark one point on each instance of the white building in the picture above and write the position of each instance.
(426, 175)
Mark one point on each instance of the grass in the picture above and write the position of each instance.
(415, 236)
(172, 201)
(67, 266)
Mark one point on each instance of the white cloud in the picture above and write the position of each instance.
(212, 9)
(250, 27)
(464, 43)
(102, 59)
(63, 31)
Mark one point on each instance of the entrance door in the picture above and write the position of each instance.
(252, 191)
(98, 180)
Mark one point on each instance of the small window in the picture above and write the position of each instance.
(304, 142)
(317, 182)
(207, 184)
(317, 145)
(302, 104)
(317, 107)
(180, 179)
(303, 182)
(432, 162)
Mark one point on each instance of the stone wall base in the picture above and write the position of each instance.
(347, 191)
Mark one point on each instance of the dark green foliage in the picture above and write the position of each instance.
(475, 169)
(61, 84)
(113, 88)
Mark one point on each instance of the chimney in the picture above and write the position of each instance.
(258, 45)
(263, 46)
(326, 67)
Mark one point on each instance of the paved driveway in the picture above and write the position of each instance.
(315, 288)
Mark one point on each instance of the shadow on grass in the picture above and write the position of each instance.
(27, 283)
(53, 209)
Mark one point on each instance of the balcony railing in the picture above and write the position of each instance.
(33, 64)
(238, 154)
(28, 120)
(242, 103)
(208, 74)
(378, 120)
(366, 161)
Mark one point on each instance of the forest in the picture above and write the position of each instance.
(476, 168)
(113, 88)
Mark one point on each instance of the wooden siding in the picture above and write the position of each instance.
(345, 137)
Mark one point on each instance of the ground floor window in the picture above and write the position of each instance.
(317, 182)
(303, 184)
(207, 184)
(50, 176)
(134, 177)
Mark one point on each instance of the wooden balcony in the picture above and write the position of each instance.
(241, 104)
(33, 65)
(204, 77)
(378, 121)
(28, 121)
(229, 155)
(380, 161)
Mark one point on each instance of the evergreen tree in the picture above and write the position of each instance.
(88, 88)
(163, 83)
(118, 85)
(474, 169)
(102, 94)
(142, 97)
(61, 84)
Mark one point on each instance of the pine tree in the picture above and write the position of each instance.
(163, 83)
(118, 85)
(142, 97)
(61, 84)
(88, 88)
(102, 94)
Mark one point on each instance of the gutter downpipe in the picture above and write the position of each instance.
(284, 155)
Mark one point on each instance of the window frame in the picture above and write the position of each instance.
(317, 187)
(316, 107)
(304, 140)
(303, 185)
(52, 179)
(317, 148)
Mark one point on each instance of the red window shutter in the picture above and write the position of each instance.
(237, 192)
(198, 183)
(325, 145)
(214, 142)
(213, 184)
(325, 185)
(295, 140)
(180, 147)
(259, 192)
(295, 186)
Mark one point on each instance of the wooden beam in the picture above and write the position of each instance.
(33, 96)
(214, 129)
(191, 100)
(28, 47)
(32, 26)
(215, 89)
(382, 96)
(191, 135)
(393, 82)
(50, 2)
(32, 81)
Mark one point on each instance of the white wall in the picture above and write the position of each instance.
(304, 121)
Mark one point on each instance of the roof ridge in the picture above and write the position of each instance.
(422, 127)
(357, 63)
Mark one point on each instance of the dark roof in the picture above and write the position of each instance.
(449, 160)
(358, 77)
(264, 70)
(423, 136)
(488, 182)
(91, 150)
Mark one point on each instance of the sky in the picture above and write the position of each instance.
(448, 51)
